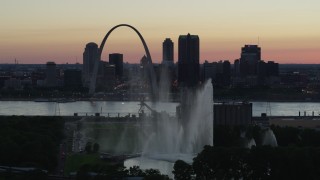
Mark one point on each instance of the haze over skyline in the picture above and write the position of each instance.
(37, 31)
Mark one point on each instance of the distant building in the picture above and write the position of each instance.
(261, 72)
(166, 71)
(294, 79)
(51, 74)
(188, 62)
(90, 55)
(3, 79)
(267, 72)
(210, 70)
(167, 51)
(232, 114)
(226, 73)
(116, 59)
(72, 78)
(143, 68)
(26, 82)
(272, 68)
(143, 61)
(236, 68)
(106, 76)
(13, 83)
(109, 76)
(250, 56)
(219, 72)
(36, 75)
(268, 69)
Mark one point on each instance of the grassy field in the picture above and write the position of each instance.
(117, 138)
(114, 137)
(75, 161)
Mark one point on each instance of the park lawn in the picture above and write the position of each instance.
(75, 161)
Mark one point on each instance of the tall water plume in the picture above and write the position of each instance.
(269, 138)
(164, 84)
(187, 133)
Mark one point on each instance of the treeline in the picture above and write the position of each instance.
(290, 136)
(262, 162)
(236, 136)
(30, 141)
(104, 171)
(296, 157)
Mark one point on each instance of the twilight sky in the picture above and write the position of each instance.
(37, 31)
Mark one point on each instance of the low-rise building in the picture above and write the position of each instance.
(233, 113)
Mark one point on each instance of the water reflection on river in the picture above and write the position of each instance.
(80, 107)
(114, 107)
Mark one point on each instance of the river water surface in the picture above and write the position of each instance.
(115, 108)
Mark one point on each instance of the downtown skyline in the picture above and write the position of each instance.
(39, 31)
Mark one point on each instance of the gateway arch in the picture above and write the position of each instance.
(150, 70)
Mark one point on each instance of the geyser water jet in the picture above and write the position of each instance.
(186, 134)
(269, 138)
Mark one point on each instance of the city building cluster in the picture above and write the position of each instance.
(248, 71)
(124, 79)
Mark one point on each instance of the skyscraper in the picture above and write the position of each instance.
(236, 67)
(188, 61)
(51, 73)
(117, 60)
(250, 56)
(90, 55)
(167, 50)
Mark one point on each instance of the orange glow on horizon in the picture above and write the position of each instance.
(37, 31)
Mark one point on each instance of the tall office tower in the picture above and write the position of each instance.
(51, 73)
(167, 51)
(90, 55)
(250, 56)
(117, 60)
(188, 61)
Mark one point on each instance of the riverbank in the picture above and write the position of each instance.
(174, 101)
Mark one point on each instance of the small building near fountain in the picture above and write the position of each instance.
(232, 113)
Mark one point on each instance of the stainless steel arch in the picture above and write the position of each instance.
(140, 36)
(150, 70)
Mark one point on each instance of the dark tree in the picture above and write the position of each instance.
(30, 141)
(88, 147)
(135, 171)
(154, 174)
(96, 148)
(182, 170)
